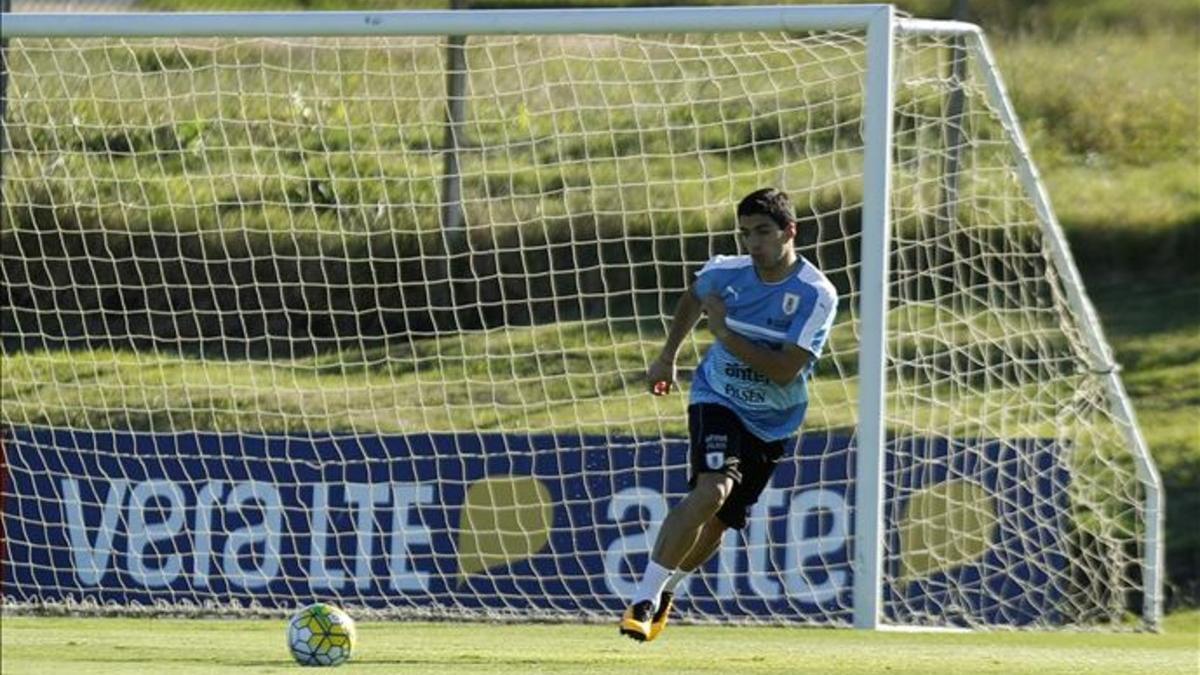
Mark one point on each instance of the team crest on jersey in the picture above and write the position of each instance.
(791, 302)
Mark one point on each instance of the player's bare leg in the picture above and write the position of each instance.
(681, 529)
(706, 545)
(680, 532)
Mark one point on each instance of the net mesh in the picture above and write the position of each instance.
(245, 366)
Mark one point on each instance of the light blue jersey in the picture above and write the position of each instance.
(798, 310)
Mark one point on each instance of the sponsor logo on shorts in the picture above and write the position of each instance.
(716, 443)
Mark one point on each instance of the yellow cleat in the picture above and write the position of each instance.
(636, 621)
(659, 622)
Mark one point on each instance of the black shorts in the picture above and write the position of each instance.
(722, 444)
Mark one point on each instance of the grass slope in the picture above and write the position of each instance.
(112, 645)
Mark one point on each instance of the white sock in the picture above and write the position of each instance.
(676, 577)
(651, 586)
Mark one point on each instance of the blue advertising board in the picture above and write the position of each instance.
(511, 522)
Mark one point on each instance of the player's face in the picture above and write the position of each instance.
(767, 243)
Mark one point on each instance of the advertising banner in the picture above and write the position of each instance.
(511, 522)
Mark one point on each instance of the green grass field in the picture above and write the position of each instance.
(113, 645)
(1111, 125)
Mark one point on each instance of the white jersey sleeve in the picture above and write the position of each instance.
(814, 317)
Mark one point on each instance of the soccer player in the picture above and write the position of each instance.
(771, 312)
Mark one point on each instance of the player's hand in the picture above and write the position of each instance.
(661, 376)
(714, 307)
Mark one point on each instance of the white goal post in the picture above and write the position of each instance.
(244, 366)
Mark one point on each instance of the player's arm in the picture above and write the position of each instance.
(662, 369)
(781, 367)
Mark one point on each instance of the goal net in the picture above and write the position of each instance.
(365, 319)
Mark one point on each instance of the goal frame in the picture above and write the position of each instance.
(882, 25)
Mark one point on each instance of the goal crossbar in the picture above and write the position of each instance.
(435, 22)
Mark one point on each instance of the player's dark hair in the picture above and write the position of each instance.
(769, 202)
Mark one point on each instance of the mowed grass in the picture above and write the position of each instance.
(574, 376)
(123, 645)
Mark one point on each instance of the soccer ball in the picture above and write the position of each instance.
(320, 635)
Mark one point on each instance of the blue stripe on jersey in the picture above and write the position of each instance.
(798, 310)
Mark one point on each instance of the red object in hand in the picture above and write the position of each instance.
(662, 388)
